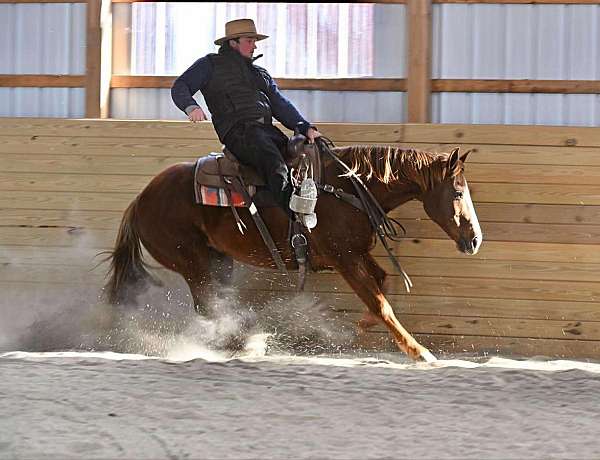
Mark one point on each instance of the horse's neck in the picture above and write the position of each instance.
(390, 196)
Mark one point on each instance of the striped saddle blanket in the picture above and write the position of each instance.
(216, 196)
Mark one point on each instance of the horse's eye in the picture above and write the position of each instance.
(458, 195)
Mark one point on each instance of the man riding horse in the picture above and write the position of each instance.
(243, 99)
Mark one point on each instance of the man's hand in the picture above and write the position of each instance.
(197, 115)
(312, 134)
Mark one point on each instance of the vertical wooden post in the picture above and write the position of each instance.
(106, 67)
(419, 61)
(93, 59)
(98, 66)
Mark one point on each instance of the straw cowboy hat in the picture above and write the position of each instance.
(240, 28)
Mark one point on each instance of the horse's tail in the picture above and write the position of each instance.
(128, 274)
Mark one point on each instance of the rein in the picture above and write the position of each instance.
(385, 227)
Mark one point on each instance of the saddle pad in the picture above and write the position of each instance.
(215, 196)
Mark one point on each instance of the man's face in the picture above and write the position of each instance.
(245, 46)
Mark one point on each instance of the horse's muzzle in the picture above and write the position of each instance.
(470, 246)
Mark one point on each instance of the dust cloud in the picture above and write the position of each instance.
(163, 323)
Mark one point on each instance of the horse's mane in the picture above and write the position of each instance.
(390, 164)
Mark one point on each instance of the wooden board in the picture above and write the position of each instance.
(339, 132)
(132, 164)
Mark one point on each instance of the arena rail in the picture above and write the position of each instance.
(532, 290)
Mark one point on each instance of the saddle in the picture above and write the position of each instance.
(224, 171)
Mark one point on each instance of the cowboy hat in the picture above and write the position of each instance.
(240, 28)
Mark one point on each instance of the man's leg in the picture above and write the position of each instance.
(258, 146)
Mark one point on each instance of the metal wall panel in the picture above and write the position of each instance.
(334, 106)
(546, 42)
(38, 38)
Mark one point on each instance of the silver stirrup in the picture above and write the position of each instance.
(304, 203)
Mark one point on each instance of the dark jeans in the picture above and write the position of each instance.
(260, 145)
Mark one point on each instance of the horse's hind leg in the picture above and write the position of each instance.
(221, 267)
(361, 275)
(190, 257)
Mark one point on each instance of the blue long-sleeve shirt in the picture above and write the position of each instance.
(200, 73)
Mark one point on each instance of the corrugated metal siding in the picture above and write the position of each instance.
(389, 56)
(546, 42)
(42, 39)
(334, 106)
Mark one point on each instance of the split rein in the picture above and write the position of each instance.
(385, 227)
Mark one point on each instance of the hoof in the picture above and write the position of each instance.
(427, 356)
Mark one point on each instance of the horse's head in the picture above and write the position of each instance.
(449, 204)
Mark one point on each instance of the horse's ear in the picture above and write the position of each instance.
(453, 162)
(464, 156)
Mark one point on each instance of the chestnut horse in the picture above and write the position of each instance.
(191, 239)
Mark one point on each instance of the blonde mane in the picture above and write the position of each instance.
(390, 164)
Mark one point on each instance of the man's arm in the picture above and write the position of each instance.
(284, 111)
(188, 83)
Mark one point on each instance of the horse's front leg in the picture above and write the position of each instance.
(363, 275)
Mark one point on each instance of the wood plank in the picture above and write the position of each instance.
(492, 250)
(54, 182)
(146, 129)
(70, 164)
(516, 86)
(419, 60)
(80, 201)
(453, 345)
(407, 212)
(468, 307)
(106, 146)
(511, 154)
(533, 174)
(339, 132)
(518, 154)
(450, 287)
(517, 232)
(506, 269)
(528, 86)
(71, 236)
(47, 257)
(494, 134)
(516, 212)
(496, 327)
(534, 193)
(30, 218)
(312, 84)
(42, 81)
(57, 200)
(522, 175)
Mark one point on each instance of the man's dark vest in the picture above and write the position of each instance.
(235, 92)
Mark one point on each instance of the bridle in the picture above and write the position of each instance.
(385, 227)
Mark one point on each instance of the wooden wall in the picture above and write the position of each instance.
(532, 290)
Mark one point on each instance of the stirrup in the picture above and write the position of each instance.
(305, 199)
(308, 220)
